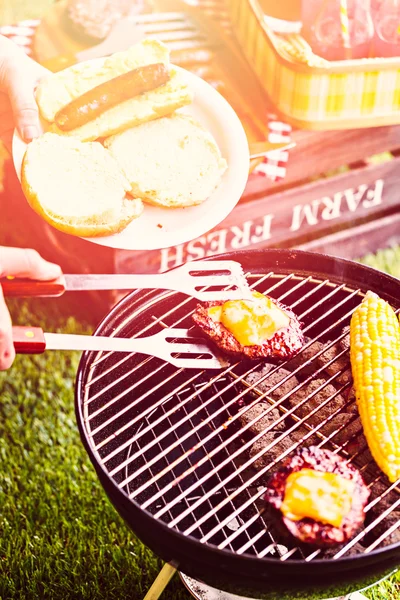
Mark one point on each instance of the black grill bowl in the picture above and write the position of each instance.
(135, 453)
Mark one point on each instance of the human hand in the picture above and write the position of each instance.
(19, 76)
(20, 263)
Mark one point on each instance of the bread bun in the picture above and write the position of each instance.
(171, 162)
(58, 89)
(77, 187)
(148, 106)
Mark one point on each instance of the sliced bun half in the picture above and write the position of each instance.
(172, 161)
(77, 187)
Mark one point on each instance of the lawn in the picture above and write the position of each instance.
(60, 537)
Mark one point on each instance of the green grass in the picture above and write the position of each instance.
(60, 538)
(386, 590)
(385, 260)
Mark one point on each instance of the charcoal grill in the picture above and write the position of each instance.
(176, 457)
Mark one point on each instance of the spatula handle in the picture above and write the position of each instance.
(29, 288)
(28, 340)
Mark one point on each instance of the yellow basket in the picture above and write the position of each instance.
(310, 92)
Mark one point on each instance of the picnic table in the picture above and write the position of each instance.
(334, 192)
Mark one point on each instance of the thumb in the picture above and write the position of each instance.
(20, 87)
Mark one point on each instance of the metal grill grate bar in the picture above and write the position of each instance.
(150, 427)
(127, 425)
(383, 537)
(293, 447)
(224, 444)
(160, 319)
(227, 405)
(272, 463)
(244, 447)
(240, 530)
(160, 384)
(368, 528)
(260, 472)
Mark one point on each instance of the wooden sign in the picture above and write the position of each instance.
(288, 218)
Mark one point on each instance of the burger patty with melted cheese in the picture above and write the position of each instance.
(319, 496)
(257, 328)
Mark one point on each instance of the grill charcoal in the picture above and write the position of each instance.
(306, 354)
(277, 450)
(273, 379)
(264, 387)
(357, 448)
(357, 548)
(345, 426)
(382, 527)
(342, 362)
(267, 422)
(378, 488)
(337, 402)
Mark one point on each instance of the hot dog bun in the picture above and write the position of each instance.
(59, 89)
(171, 161)
(77, 187)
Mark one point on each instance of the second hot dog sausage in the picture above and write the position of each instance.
(94, 102)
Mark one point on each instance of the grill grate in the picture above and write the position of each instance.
(195, 449)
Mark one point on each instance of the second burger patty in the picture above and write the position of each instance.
(308, 530)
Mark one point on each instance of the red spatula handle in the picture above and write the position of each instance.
(28, 288)
(28, 340)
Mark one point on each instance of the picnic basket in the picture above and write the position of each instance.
(308, 91)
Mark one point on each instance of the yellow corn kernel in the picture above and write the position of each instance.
(375, 365)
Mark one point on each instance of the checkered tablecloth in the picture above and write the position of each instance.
(273, 166)
(21, 33)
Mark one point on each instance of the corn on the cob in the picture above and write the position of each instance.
(375, 363)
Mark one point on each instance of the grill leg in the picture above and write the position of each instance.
(160, 582)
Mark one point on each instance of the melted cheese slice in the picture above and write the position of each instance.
(324, 497)
(250, 322)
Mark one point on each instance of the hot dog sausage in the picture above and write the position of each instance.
(110, 93)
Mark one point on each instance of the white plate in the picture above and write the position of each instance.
(181, 225)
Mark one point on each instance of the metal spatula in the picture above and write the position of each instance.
(188, 278)
(198, 353)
